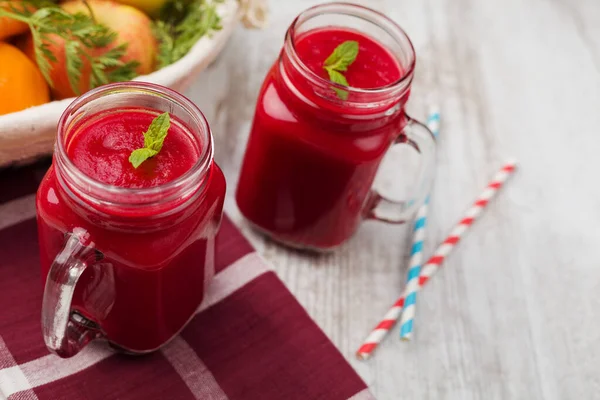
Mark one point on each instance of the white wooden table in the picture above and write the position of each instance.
(516, 312)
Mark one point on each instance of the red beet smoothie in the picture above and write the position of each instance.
(149, 270)
(101, 151)
(309, 164)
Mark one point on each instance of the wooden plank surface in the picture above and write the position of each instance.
(516, 312)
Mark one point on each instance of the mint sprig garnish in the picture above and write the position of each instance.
(339, 61)
(154, 138)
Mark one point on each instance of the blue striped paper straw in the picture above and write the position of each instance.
(416, 252)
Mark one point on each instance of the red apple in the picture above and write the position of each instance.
(132, 27)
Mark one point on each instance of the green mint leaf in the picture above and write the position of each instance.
(339, 61)
(154, 138)
(337, 77)
(138, 156)
(342, 56)
(342, 94)
(157, 132)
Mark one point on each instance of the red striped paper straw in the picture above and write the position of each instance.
(435, 262)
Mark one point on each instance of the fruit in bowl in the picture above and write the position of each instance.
(81, 44)
(189, 34)
(134, 48)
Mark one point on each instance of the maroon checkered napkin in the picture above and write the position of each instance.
(250, 339)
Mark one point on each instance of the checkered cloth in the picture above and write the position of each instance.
(250, 339)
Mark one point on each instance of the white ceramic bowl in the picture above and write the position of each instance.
(29, 134)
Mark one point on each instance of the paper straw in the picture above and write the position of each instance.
(414, 269)
(435, 262)
(416, 252)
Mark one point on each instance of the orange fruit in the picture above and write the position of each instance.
(21, 83)
(8, 26)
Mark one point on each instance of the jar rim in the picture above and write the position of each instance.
(367, 14)
(107, 193)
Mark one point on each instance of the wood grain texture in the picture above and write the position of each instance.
(516, 312)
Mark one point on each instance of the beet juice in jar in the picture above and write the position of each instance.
(127, 217)
(329, 109)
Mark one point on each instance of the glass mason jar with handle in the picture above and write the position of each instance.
(315, 146)
(129, 265)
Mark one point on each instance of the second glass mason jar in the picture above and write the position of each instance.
(126, 264)
(312, 154)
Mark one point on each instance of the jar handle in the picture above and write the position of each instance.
(420, 138)
(65, 330)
